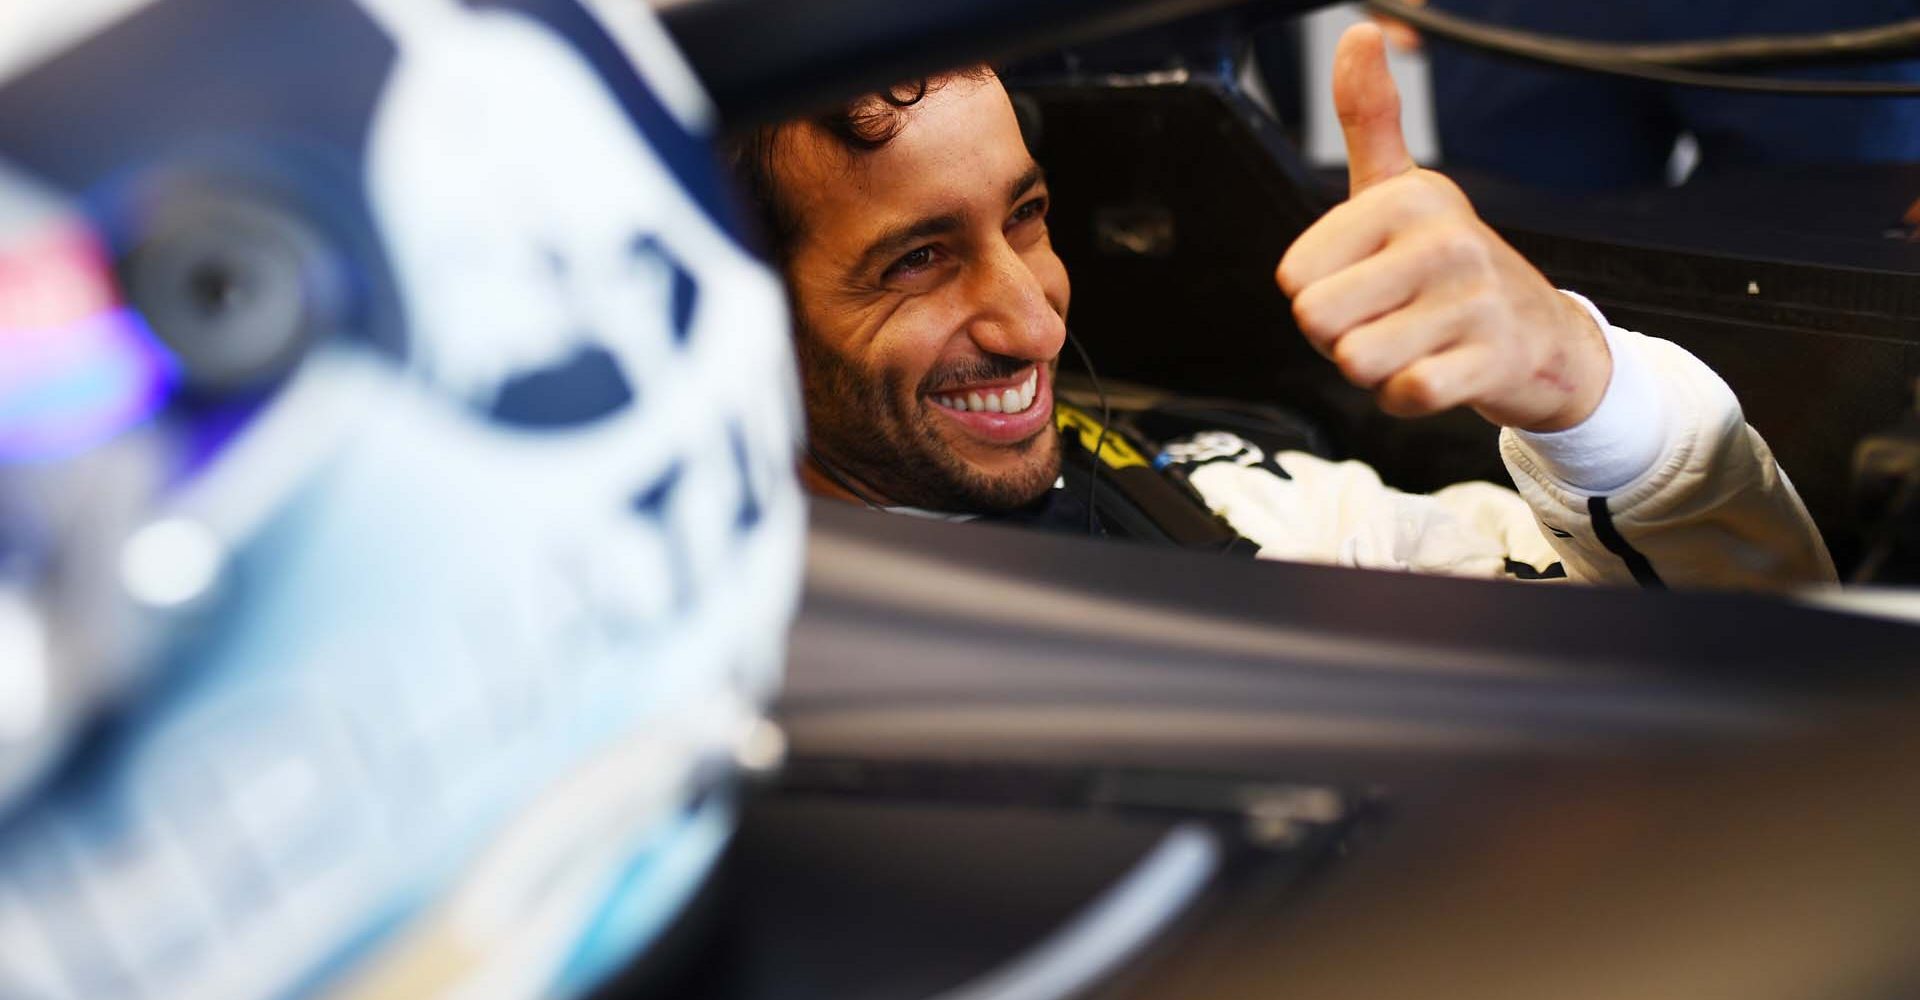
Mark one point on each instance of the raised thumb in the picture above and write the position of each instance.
(1368, 104)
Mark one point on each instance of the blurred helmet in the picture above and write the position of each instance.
(397, 525)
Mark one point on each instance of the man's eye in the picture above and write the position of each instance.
(1030, 210)
(911, 262)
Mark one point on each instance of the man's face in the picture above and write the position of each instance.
(930, 305)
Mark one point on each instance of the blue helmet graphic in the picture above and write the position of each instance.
(395, 472)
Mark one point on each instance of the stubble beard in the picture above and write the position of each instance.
(879, 431)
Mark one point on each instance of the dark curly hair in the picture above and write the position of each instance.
(862, 125)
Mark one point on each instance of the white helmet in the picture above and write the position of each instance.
(397, 523)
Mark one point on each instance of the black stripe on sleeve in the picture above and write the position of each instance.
(1610, 537)
(1522, 571)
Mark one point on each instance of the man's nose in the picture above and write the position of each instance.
(1014, 317)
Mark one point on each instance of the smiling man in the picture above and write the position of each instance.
(928, 302)
(930, 310)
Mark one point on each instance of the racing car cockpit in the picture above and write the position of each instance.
(1049, 715)
(402, 588)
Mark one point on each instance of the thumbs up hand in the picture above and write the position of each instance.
(1414, 298)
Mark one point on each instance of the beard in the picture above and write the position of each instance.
(877, 428)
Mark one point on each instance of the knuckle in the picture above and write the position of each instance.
(1404, 197)
(1481, 312)
(1356, 365)
(1421, 194)
(1419, 392)
(1287, 275)
(1463, 248)
(1440, 187)
(1309, 315)
(1430, 186)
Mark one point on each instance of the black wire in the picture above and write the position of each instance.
(840, 480)
(1752, 84)
(1876, 43)
(1665, 63)
(1100, 440)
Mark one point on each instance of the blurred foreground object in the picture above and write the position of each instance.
(397, 527)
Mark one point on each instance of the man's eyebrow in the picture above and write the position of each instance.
(1025, 182)
(899, 239)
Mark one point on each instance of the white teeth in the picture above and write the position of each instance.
(1015, 400)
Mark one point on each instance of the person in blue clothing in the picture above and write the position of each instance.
(1574, 130)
